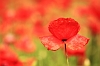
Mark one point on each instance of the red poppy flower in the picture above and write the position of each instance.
(82, 11)
(8, 16)
(8, 57)
(23, 13)
(80, 52)
(20, 30)
(3, 4)
(25, 44)
(95, 8)
(94, 26)
(38, 28)
(63, 4)
(9, 38)
(64, 31)
(42, 6)
(4, 28)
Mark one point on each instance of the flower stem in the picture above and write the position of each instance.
(66, 55)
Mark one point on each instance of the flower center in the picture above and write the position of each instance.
(64, 40)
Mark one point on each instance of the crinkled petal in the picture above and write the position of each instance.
(77, 42)
(64, 28)
(51, 43)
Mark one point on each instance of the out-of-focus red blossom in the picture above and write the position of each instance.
(38, 28)
(25, 44)
(8, 16)
(59, 3)
(44, 2)
(3, 4)
(23, 13)
(64, 31)
(63, 4)
(8, 57)
(20, 30)
(81, 60)
(9, 38)
(6, 21)
(83, 11)
(95, 8)
(41, 10)
(42, 6)
(4, 28)
(94, 26)
(80, 52)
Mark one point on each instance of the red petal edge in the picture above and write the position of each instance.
(51, 43)
(77, 42)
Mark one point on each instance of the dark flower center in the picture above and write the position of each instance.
(64, 40)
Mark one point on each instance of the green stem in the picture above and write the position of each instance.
(66, 55)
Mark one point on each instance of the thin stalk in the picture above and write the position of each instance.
(66, 55)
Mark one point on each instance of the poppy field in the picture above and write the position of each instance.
(49, 33)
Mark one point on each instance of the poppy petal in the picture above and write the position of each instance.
(64, 28)
(51, 43)
(77, 42)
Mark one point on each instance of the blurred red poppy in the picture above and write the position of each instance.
(21, 30)
(80, 52)
(38, 28)
(94, 26)
(4, 28)
(95, 8)
(23, 13)
(3, 4)
(25, 44)
(63, 4)
(8, 57)
(9, 38)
